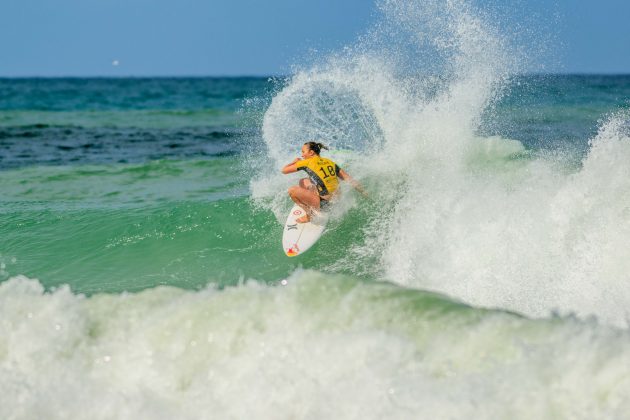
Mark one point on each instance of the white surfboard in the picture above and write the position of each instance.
(298, 237)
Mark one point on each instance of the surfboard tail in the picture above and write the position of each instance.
(293, 251)
(299, 237)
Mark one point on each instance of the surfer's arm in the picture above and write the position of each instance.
(355, 184)
(290, 167)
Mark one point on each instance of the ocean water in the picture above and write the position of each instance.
(486, 276)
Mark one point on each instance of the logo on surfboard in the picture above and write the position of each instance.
(293, 251)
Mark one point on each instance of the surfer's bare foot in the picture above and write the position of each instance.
(304, 219)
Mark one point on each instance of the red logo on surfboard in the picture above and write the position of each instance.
(297, 212)
(293, 251)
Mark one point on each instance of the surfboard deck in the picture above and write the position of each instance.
(297, 238)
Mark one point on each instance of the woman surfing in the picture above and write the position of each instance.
(316, 191)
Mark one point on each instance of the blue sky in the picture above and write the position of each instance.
(255, 37)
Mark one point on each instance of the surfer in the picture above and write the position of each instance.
(315, 192)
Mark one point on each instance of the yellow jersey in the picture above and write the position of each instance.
(324, 173)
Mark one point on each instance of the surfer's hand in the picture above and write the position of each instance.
(297, 159)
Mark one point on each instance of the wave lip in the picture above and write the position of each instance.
(480, 218)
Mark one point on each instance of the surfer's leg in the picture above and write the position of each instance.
(306, 199)
(308, 184)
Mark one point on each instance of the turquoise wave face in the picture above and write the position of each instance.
(127, 227)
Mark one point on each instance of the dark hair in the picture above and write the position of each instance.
(315, 147)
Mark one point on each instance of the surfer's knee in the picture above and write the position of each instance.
(292, 190)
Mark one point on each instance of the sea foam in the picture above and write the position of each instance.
(319, 347)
